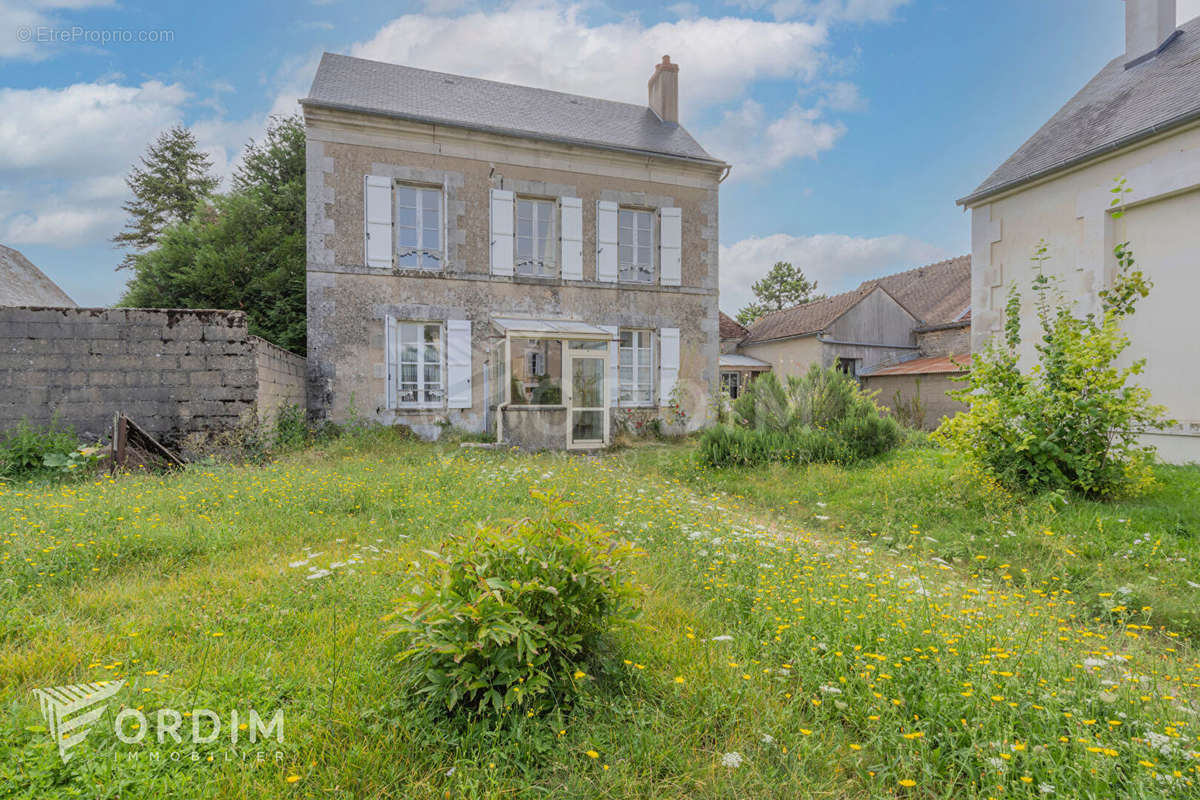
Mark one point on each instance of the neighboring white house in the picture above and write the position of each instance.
(1139, 119)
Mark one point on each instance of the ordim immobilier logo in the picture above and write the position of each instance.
(71, 711)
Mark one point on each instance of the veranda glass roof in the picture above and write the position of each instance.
(550, 329)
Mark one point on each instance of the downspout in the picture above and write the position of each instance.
(728, 169)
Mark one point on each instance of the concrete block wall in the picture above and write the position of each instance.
(179, 373)
(282, 379)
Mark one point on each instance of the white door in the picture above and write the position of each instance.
(587, 394)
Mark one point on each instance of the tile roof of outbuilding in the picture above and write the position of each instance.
(23, 284)
(935, 294)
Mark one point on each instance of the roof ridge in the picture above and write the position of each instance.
(525, 86)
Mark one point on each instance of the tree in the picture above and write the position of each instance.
(783, 287)
(173, 177)
(1073, 421)
(242, 250)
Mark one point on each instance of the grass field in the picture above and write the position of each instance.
(802, 636)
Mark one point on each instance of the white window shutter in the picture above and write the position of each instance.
(668, 361)
(606, 241)
(671, 249)
(502, 232)
(614, 359)
(572, 238)
(458, 363)
(377, 220)
(390, 358)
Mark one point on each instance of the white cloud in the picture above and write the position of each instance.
(84, 129)
(755, 145)
(828, 10)
(835, 261)
(64, 227)
(684, 10)
(20, 20)
(1187, 10)
(549, 44)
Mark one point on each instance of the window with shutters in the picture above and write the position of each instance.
(636, 368)
(635, 251)
(536, 239)
(419, 227)
(419, 356)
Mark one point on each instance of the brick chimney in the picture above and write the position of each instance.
(664, 89)
(1149, 26)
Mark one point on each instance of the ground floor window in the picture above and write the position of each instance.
(536, 371)
(848, 366)
(731, 383)
(419, 357)
(635, 368)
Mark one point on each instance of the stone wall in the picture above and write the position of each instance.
(281, 376)
(181, 374)
(948, 341)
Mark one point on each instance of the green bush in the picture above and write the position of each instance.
(24, 449)
(822, 416)
(1073, 421)
(291, 428)
(511, 617)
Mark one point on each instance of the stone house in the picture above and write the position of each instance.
(1138, 118)
(505, 259)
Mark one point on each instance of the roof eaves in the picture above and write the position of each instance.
(524, 134)
(1001, 188)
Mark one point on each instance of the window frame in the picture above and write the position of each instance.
(731, 378)
(549, 266)
(421, 364)
(634, 386)
(624, 268)
(436, 255)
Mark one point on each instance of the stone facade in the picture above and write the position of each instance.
(945, 340)
(349, 302)
(180, 374)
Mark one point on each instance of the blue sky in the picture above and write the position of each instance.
(853, 125)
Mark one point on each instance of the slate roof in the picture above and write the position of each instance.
(731, 328)
(23, 284)
(935, 294)
(1115, 109)
(374, 87)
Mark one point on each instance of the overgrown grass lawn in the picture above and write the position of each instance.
(802, 636)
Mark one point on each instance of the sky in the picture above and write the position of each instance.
(852, 125)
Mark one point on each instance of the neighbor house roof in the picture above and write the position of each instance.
(1115, 109)
(934, 294)
(392, 90)
(23, 284)
(925, 366)
(731, 328)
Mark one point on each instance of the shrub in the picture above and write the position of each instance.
(24, 449)
(291, 428)
(1073, 421)
(508, 617)
(821, 416)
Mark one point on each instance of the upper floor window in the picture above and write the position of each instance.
(536, 239)
(635, 233)
(419, 227)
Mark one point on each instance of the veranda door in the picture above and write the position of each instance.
(587, 394)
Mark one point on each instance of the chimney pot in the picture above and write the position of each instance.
(1149, 24)
(664, 90)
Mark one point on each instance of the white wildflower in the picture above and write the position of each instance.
(768, 739)
(1046, 788)
(724, 637)
(731, 760)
